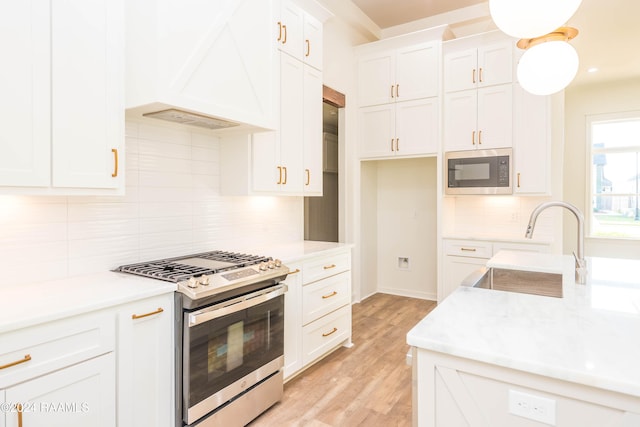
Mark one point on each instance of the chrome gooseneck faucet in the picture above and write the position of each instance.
(581, 264)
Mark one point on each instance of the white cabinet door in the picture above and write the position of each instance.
(417, 72)
(495, 64)
(531, 140)
(456, 268)
(417, 127)
(479, 67)
(377, 130)
(146, 362)
(460, 120)
(376, 75)
(25, 85)
(293, 320)
(460, 70)
(78, 396)
(265, 162)
(291, 123)
(292, 27)
(312, 48)
(312, 138)
(495, 118)
(87, 46)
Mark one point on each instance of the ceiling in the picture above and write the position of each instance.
(608, 38)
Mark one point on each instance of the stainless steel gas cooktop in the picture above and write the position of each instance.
(209, 273)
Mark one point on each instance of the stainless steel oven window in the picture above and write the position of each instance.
(226, 349)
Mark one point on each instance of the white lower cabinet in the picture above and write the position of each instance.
(462, 257)
(317, 309)
(450, 391)
(104, 368)
(78, 396)
(293, 320)
(145, 362)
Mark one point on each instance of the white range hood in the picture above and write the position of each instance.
(207, 64)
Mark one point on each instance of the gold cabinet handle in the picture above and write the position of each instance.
(392, 144)
(329, 333)
(468, 249)
(473, 138)
(19, 408)
(296, 271)
(332, 294)
(480, 75)
(279, 31)
(284, 168)
(518, 179)
(279, 175)
(473, 76)
(26, 358)
(397, 91)
(329, 267)
(392, 91)
(308, 176)
(397, 144)
(284, 39)
(479, 137)
(115, 165)
(308, 48)
(140, 316)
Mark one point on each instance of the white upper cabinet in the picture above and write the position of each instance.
(215, 58)
(479, 67)
(478, 104)
(299, 34)
(312, 138)
(401, 74)
(62, 104)
(531, 143)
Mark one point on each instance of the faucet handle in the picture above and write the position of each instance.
(582, 263)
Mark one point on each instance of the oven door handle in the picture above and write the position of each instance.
(236, 304)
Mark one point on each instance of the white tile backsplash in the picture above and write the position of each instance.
(172, 207)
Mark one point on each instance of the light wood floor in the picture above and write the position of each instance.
(366, 385)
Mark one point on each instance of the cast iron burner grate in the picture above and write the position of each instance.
(172, 270)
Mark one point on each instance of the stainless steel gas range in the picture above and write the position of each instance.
(229, 334)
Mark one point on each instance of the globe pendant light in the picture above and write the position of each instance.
(549, 63)
(526, 19)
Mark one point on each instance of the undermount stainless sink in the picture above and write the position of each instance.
(526, 282)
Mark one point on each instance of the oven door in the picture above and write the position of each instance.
(229, 347)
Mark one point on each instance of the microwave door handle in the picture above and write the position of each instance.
(232, 306)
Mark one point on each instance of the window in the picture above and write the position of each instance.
(615, 175)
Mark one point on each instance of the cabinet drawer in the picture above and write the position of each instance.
(319, 268)
(468, 248)
(522, 247)
(325, 333)
(324, 296)
(34, 351)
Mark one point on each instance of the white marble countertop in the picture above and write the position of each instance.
(591, 336)
(35, 303)
(296, 251)
(28, 305)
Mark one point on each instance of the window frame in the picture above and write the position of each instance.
(590, 170)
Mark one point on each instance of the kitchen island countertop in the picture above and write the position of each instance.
(591, 336)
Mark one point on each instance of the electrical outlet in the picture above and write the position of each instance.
(532, 407)
(515, 217)
(403, 263)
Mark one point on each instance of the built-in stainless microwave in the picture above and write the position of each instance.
(478, 171)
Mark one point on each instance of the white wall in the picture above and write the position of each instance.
(172, 207)
(406, 227)
(581, 101)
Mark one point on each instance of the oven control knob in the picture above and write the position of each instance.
(277, 263)
(192, 282)
(204, 280)
(270, 265)
(263, 266)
